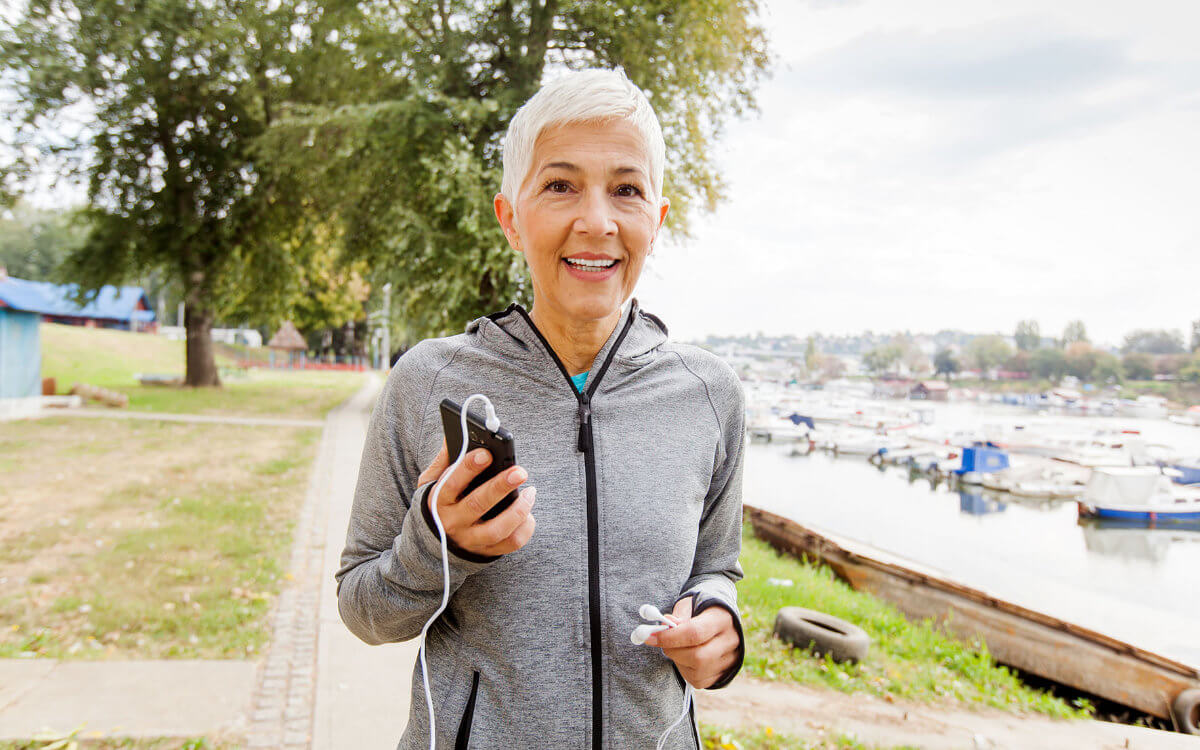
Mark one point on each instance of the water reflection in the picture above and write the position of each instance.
(979, 503)
(1135, 542)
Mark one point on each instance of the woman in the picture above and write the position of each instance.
(634, 445)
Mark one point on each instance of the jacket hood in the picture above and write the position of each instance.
(513, 334)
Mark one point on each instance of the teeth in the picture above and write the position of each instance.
(591, 265)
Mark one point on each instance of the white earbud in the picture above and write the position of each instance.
(642, 632)
(492, 422)
(650, 612)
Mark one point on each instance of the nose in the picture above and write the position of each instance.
(596, 215)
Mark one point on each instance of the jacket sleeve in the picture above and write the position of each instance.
(715, 569)
(390, 577)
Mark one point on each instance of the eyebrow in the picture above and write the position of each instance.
(575, 168)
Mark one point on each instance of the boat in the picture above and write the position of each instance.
(980, 459)
(1138, 493)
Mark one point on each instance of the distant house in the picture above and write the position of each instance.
(930, 390)
(20, 359)
(126, 307)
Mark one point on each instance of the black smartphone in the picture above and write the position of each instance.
(499, 443)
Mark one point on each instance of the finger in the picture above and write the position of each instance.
(474, 462)
(517, 540)
(435, 469)
(483, 497)
(694, 632)
(683, 608)
(495, 530)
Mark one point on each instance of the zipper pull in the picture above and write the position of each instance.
(585, 425)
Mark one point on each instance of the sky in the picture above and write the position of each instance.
(927, 165)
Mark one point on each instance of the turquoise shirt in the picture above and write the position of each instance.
(579, 380)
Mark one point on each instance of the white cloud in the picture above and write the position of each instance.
(955, 165)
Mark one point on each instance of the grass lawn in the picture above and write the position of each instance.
(132, 538)
(766, 738)
(907, 660)
(111, 359)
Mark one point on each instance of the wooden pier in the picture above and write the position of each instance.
(1032, 641)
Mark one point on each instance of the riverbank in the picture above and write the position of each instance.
(907, 660)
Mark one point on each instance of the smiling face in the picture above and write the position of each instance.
(585, 218)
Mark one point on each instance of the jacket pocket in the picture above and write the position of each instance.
(464, 726)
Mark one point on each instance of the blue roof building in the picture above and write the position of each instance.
(125, 307)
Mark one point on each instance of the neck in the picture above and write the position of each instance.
(576, 342)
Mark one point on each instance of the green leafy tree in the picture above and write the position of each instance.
(986, 352)
(1190, 371)
(1195, 336)
(405, 151)
(1153, 342)
(226, 136)
(34, 241)
(1048, 364)
(812, 358)
(1074, 333)
(944, 363)
(1028, 335)
(883, 358)
(1108, 368)
(178, 90)
(1138, 366)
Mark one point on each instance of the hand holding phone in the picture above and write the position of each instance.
(479, 504)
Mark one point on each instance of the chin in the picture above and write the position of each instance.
(594, 307)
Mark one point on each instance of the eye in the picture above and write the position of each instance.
(556, 186)
(629, 191)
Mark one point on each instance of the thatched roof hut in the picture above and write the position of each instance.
(287, 338)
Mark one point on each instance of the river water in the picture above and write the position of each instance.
(1140, 585)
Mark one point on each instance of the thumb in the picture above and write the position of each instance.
(683, 609)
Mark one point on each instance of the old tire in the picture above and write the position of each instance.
(1185, 711)
(826, 634)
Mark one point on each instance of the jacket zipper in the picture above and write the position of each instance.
(464, 726)
(587, 448)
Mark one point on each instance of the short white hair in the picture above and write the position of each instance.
(582, 96)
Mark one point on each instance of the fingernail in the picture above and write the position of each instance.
(481, 457)
(531, 495)
(517, 475)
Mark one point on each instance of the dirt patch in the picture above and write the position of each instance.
(820, 714)
(142, 537)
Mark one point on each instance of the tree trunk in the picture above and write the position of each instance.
(201, 361)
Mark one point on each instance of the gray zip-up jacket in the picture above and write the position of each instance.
(639, 501)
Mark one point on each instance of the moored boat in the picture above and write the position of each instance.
(1138, 493)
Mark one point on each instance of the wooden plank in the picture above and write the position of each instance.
(1033, 641)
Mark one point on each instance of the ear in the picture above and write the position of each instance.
(508, 221)
(663, 207)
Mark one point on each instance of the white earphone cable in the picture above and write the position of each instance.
(493, 423)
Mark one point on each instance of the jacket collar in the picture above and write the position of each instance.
(511, 333)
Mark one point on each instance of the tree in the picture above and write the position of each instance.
(1081, 360)
(812, 358)
(1107, 368)
(227, 136)
(1048, 364)
(1028, 336)
(1075, 332)
(33, 242)
(178, 89)
(986, 352)
(1153, 342)
(882, 358)
(1195, 336)
(944, 363)
(1138, 366)
(409, 157)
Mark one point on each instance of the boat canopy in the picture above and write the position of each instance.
(1143, 486)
